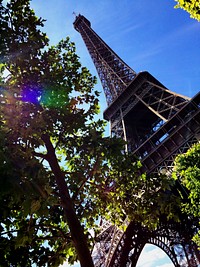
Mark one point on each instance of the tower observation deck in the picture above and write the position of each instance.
(157, 125)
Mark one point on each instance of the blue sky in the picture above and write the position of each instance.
(148, 35)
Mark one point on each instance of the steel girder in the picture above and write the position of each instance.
(157, 124)
(174, 240)
(114, 73)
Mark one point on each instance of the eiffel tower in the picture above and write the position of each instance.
(157, 125)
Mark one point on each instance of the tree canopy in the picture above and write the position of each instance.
(57, 168)
(191, 6)
(187, 173)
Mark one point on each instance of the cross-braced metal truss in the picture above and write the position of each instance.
(118, 249)
(172, 138)
(114, 73)
(129, 119)
(157, 124)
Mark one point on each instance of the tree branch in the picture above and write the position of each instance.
(40, 155)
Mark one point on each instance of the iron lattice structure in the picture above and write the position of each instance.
(157, 124)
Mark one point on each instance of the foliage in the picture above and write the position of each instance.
(187, 172)
(57, 169)
(191, 6)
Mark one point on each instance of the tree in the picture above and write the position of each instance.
(191, 6)
(187, 172)
(57, 168)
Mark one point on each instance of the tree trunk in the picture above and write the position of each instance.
(77, 233)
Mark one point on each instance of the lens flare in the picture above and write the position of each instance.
(31, 94)
(46, 97)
